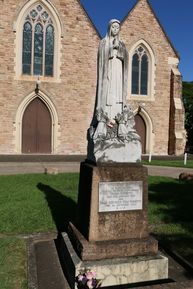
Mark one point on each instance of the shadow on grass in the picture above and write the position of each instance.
(173, 201)
(178, 198)
(178, 244)
(63, 209)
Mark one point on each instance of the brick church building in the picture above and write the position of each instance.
(48, 76)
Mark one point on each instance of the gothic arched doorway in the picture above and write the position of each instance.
(140, 127)
(36, 128)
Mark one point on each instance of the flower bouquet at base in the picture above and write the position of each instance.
(87, 280)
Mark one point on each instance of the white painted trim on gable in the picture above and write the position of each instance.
(173, 61)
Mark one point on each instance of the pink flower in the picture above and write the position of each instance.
(89, 283)
(90, 275)
(87, 280)
(80, 277)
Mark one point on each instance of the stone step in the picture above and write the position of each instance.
(45, 271)
(49, 271)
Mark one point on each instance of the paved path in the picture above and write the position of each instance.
(167, 171)
(10, 168)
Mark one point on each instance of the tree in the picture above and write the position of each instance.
(188, 105)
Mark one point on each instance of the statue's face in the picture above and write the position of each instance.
(115, 27)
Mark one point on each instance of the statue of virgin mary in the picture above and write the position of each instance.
(113, 138)
(112, 72)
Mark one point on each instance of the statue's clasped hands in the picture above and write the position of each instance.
(110, 123)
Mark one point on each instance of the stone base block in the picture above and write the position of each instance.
(116, 271)
(118, 224)
(111, 249)
(117, 151)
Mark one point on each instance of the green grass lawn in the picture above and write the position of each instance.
(170, 163)
(13, 263)
(171, 214)
(30, 204)
(37, 203)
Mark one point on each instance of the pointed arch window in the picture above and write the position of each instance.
(38, 43)
(140, 71)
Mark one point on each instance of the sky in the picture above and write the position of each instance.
(176, 17)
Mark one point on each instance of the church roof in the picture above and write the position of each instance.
(153, 12)
(89, 18)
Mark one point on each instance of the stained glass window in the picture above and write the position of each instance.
(39, 8)
(27, 48)
(33, 13)
(38, 43)
(140, 72)
(45, 15)
(135, 74)
(38, 49)
(144, 74)
(49, 50)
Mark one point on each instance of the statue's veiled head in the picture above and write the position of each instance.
(113, 27)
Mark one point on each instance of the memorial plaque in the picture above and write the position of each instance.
(120, 196)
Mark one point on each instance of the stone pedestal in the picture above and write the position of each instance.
(116, 271)
(116, 151)
(112, 230)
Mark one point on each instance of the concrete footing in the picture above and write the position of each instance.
(116, 271)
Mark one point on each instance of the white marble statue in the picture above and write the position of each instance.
(113, 138)
(112, 72)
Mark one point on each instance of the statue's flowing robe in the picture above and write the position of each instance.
(112, 76)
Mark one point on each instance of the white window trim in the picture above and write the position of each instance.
(18, 29)
(151, 72)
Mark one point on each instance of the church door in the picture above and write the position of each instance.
(36, 128)
(141, 129)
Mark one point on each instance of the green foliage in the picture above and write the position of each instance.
(188, 104)
(188, 88)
